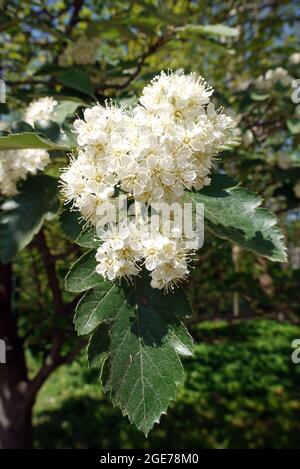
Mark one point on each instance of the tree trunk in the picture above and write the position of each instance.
(16, 436)
(15, 409)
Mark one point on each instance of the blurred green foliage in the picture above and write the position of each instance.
(241, 391)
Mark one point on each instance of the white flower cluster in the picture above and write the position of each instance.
(81, 52)
(40, 109)
(165, 145)
(273, 76)
(128, 246)
(15, 165)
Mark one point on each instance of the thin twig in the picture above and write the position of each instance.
(140, 62)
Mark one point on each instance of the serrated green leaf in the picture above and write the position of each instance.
(234, 213)
(72, 227)
(24, 215)
(82, 274)
(142, 365)
(88, 239)
(98, 305)
(30, 140)
(98, 347)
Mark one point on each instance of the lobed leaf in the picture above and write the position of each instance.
(234, 213)
(137, 337)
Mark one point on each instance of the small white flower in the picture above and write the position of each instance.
(134, 179)
(295, 58)
(169, 275)
(152, 249)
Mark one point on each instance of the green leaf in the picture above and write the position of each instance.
(49, 129)
(211, 29)
(71, 226)
(98, 347)
(294, 125)
(142, 365)
(234, 213)
(66, 108)
(88, 239)
(23, 217)
(70, 223)
(77, 79)
(30, 140)
(97, 305)
(82, 274)
(20, 127)
(259, 95)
